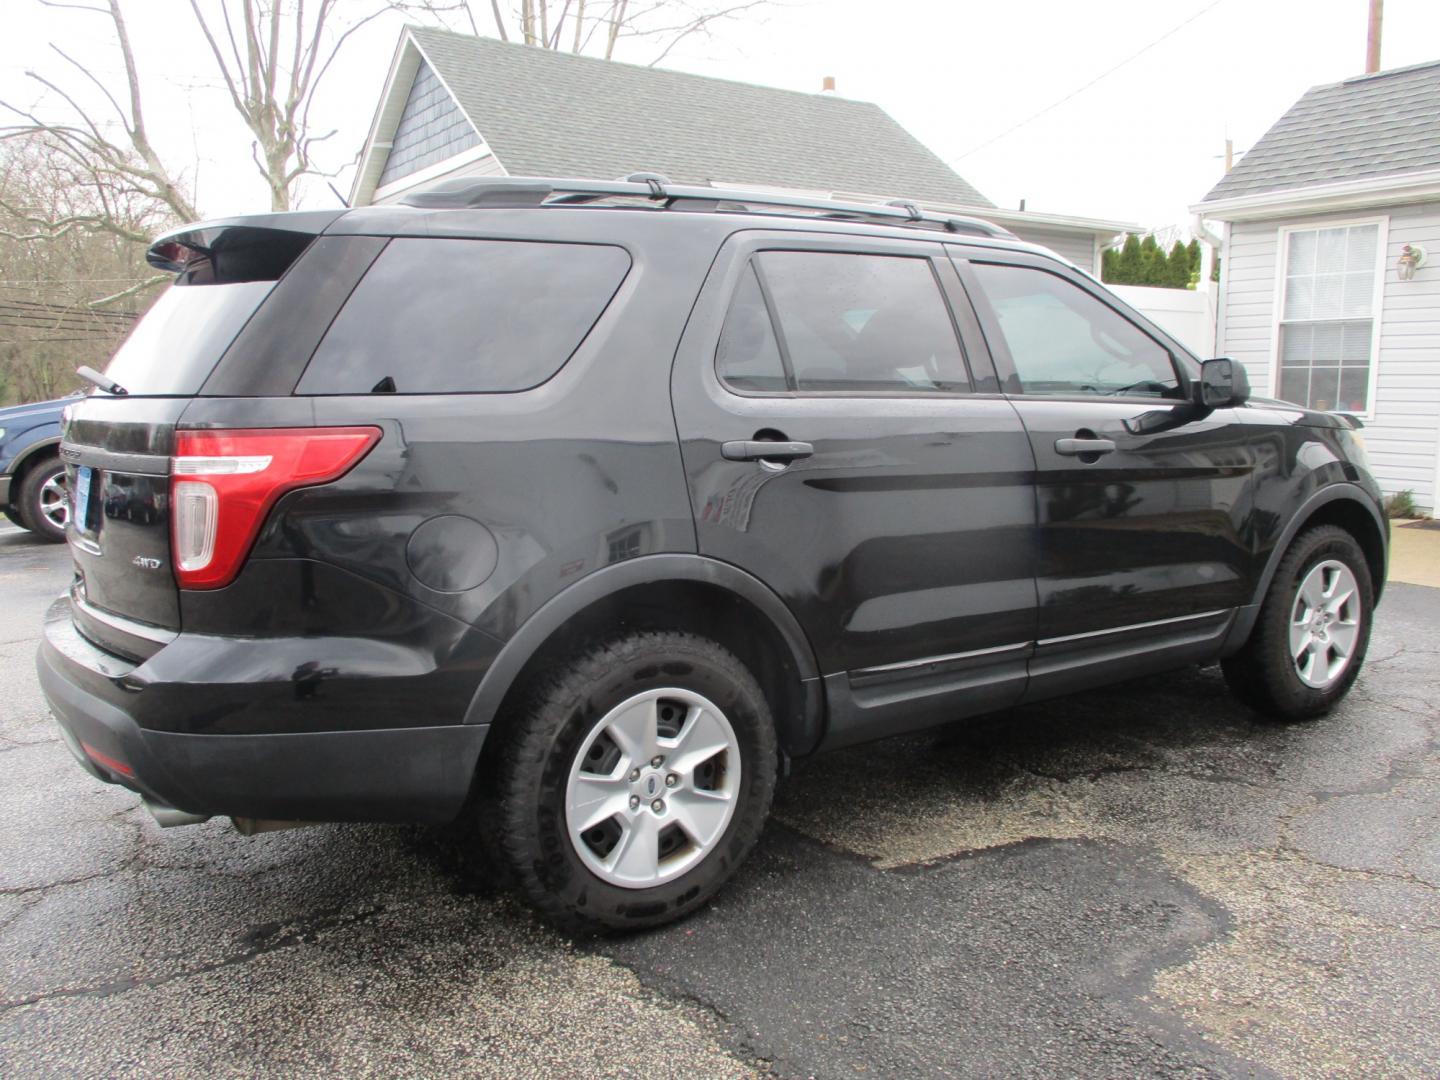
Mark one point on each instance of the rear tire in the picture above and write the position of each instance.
(1310, 639)
(43, 500)
(13, 516)
(587, 842)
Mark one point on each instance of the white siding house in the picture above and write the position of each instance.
(459, 105)
(1318, 297)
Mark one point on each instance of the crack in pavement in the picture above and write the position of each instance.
(264, 939)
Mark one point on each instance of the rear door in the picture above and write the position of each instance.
(1142, 497)
(839, 446)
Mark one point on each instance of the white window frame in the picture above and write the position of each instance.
(1377, 304)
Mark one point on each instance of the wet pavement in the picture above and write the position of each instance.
(1129, 882)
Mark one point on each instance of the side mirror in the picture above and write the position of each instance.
(1223, 384)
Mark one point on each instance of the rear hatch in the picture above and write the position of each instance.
(118, 445)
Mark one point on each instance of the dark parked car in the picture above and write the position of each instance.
(32, 476)
(584, 508)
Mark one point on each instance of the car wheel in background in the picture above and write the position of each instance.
(43, 501)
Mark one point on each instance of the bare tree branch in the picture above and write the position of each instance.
(499, 19)
(134, 290)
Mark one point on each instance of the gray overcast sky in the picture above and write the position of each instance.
(1139, 145)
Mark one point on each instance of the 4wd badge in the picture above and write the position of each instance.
(147, 563)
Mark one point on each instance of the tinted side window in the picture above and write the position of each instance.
(437, 316)
(862, 322)
(748, 356)
(1062, 340)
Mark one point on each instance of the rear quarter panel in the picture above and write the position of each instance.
(578, 473)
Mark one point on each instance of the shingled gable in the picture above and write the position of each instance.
(535, 112)
(1385, 125)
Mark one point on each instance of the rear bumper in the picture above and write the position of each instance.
(412, 774)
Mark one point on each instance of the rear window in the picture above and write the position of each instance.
(456, 316)
(173, 349)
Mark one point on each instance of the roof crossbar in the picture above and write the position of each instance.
(491, 192)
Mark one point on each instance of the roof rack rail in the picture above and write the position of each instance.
(493, 192)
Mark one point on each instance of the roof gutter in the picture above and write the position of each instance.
(1318, 198)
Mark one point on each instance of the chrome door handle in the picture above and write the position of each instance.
(765, 450)
(1074, 447)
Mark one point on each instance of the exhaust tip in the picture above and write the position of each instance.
(167, 817)
(248, 826)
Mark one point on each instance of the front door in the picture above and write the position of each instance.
(1141, 496)
(839, 447)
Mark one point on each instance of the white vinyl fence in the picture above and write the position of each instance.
(1188, 315)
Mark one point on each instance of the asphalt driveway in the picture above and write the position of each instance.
(1135, 881)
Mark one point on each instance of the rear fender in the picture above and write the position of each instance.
(799, 733)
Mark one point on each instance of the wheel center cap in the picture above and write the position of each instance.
(651, 785)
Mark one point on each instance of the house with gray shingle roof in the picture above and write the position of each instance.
(1330, 271)
(458, 105)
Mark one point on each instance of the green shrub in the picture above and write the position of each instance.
(1140, 261)
(1401, 504)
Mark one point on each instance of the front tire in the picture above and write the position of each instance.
(636, 782)
(1313, 630)
(43, 500)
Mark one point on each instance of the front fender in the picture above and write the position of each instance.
(1334, 493)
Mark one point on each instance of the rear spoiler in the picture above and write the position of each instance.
(256, 247)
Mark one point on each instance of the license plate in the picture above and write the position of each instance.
(82, 494)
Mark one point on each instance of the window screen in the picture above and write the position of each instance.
(438, 316)
(844, 322)
(1062, 340)
(1327, 321)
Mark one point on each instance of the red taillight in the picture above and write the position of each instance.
(223, 484)
(106, 761)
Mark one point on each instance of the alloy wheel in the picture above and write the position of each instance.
(55, 501)
(1325, 624)
(653, 788)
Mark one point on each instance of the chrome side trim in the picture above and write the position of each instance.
(1133, 626)
(115, 460)
(946, 658)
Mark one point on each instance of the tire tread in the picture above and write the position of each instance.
(515, 833)
(1261, 673)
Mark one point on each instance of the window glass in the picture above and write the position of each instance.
(1327, 317)
(748, 357)
(437, 316)
(173, 349)
(1063, 340)
(863, 322)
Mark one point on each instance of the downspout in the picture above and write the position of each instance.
(1211, 246)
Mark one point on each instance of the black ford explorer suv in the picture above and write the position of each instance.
(582, 508)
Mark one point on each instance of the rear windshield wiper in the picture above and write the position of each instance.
(110, 386)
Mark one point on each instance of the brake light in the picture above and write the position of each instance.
(224, 483)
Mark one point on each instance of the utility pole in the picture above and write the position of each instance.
(1229, 154)
(1372, 43)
